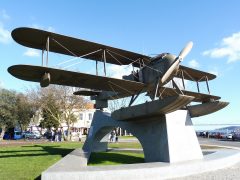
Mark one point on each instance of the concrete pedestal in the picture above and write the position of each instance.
(167, 138)
(74, 167)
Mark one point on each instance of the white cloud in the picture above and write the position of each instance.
(51, 29)
(37, 26)
(193, 63)
(214, 71)
(31, 53)
(116, 71)
(229, 47)
(1, 84)
(5, 35)
(4, 15)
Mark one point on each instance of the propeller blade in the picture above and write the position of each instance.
(170, 71)
(185, 50)
(174, 66)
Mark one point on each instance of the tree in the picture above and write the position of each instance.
(48, 120)
(46, 100)
(15, 109)
(69, 104)
(58, 105)
(51, 113)
(24, 110)
(7, 109)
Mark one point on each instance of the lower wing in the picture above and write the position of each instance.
(76, 79)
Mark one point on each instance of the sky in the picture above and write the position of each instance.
(145, 27)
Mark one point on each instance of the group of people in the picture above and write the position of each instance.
(56, 135)
(113, 136)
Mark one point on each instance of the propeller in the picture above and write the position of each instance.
(185, 50)
(177, 61)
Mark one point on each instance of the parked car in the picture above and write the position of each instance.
(229, 136)
(6, 136)
(212, 134)
(235, 136)
(17, 135)
(32, 135)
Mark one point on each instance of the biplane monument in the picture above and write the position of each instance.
(162, 125)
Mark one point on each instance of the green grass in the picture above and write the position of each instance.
(115, 158)
(27, 162)
(209, 147)
(134, 145)
(127, 137)
(120, 157)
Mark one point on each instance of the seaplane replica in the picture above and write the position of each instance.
(159, 124)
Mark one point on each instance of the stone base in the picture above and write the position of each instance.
(74, 167)
(167, 138)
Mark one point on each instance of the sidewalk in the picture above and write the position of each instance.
(231, 173)
(4, 143)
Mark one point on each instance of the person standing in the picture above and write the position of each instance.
(111, 136)
(114, 136)
(60, 135)
(56, 135)
(52, 135)
(79, 136)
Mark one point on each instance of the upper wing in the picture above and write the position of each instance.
(35, 38)
(76, 79)
(193, 74)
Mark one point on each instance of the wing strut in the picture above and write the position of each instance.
(183, 80)
(47, 49)
(104, 58)
(42, 56)
(177, 88)
(207, 85)
(96, 68)
(156, 90)
(134, 97)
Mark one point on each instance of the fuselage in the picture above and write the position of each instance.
(154, 70)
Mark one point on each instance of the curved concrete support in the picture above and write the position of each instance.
(166, 138)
